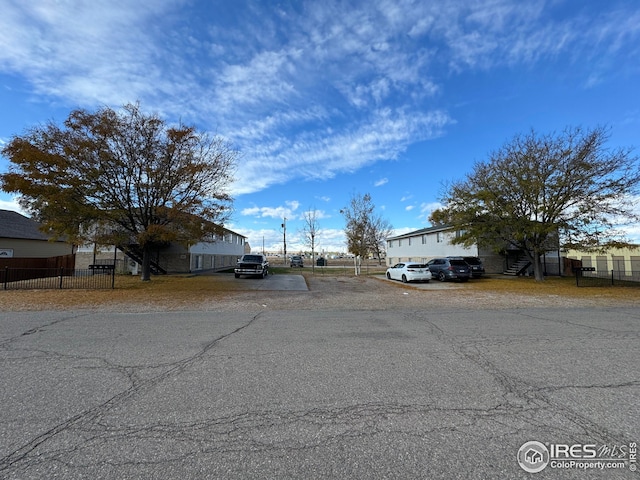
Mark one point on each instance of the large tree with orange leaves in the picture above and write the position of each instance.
(122, 176)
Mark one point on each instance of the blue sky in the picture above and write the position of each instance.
(333, 98)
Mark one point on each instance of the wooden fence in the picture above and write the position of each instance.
(63, 261)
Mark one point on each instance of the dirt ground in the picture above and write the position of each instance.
(219, 292)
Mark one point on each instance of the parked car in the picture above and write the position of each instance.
(409, 272)
(477, 268)
(255, 265)
(297, 261)
(453, 268)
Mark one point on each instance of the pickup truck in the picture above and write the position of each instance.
(254, 265)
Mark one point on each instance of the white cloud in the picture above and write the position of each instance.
(408, 208)
(382, 136)
(279, 212)
(327, 240)
(381, 182)
(427, 208)
(319, 214)
(13, 206)
(93, 54)
(307, 98)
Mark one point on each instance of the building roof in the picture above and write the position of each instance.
(15, 225)
(422, 231)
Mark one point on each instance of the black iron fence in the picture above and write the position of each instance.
(94, 277)
(591, 277)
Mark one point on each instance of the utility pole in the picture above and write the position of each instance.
(284, 238)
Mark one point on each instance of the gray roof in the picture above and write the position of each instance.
(422, 231)
(15, 225)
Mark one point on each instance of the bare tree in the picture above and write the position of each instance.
(366, 232)
(310, 231)
(126, 175)
(380, 229)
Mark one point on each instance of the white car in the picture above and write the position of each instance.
(409, 272)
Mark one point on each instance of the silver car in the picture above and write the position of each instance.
(297, 261)
(409, 272)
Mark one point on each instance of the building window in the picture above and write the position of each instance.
(440, 237)
(409, 241)
(400, 242)
(424, 239)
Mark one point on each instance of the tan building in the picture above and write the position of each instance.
(21, 237)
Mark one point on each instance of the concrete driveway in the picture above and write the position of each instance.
(279, 282)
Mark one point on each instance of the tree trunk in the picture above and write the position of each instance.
(146, 263)
(538, 270)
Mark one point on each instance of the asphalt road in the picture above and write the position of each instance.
(313, 394)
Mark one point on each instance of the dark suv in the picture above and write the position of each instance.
(453, 268)
(477, 268)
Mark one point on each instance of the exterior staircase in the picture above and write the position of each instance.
(134, 252)
(519, 267)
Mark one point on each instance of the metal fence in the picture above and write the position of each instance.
(590, 277)
(95, 277)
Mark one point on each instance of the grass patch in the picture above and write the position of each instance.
(181, 289)
(556, 286)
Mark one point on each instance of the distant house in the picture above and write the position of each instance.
(218, 253)
(621, 262)
(427, 243)
(21, 237)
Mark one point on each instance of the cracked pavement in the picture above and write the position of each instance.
(322, 393)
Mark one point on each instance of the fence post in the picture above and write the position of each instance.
(61, 272)
(113, 277)
(6, 277)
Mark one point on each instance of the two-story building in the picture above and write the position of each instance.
(215, 254)
(427, 243)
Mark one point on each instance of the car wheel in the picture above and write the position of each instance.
(404, 279)
(441, 277)
(237, 275)
(388, 276)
